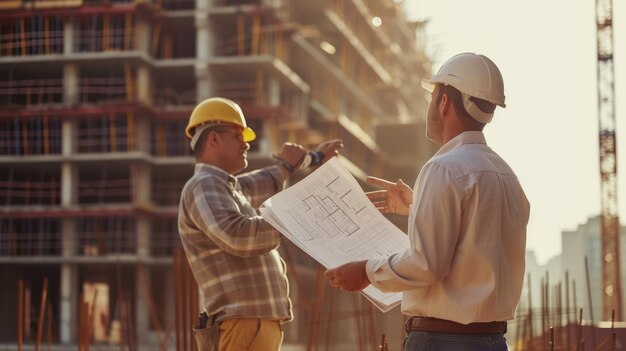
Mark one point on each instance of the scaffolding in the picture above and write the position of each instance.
(171, 39)
(31, 35)
(166, 188)
(105, 32)
(112, 132)
(30, 237)
(29, 92)
(165, 239)
(101, 236)
(99, 184)
(176, 5)
(29, 187)
(105, 89)
(30, 136)
(166, 139)
(259, 33)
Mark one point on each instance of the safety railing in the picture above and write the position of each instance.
(165, 190)
(30, 237)
(167, 96)
(22, 187)
(114, 132)
(100, 185)
(31, 92)
(105, 32)
(173, 5)
(30, 136)
(32, 35)
(165, 238)
(104, 89)
(168, 138)
(256, 34)
(101, 236)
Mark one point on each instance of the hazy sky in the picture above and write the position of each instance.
(548, 132)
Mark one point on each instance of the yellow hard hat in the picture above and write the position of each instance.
(219, 110)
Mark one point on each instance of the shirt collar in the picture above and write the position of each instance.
(217, 172)
(470, 137)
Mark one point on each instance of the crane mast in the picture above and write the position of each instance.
(612, 296)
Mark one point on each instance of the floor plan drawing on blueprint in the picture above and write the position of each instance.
(325, 213)
(329, 217)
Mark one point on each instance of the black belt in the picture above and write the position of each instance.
(204, 320)
(430, 324)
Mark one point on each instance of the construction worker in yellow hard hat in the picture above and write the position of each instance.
(461, 276)
(230, 248)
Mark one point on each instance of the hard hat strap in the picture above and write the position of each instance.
(474, 111)
(198, 132)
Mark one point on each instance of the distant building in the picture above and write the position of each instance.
(583, 242)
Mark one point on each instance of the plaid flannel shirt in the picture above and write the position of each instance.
(231, 249)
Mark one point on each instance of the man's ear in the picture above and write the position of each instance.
(212, 138)
(444, 104)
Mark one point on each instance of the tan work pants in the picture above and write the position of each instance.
(250, 334)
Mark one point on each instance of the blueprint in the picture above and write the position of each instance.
(329, 217)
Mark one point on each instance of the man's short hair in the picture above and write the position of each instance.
(456, 98)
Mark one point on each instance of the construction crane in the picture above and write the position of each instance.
(612, 295)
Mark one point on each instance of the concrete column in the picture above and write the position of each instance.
(271, 3)
(144, 85)
(142, 306)
(69, 284)
(69, 172)
(143, 237)
(272, 87)
(204, 84)
(143, 31)
(141, 178)
(142, 313)
(71, 77)
(68, 137)
(142, 130)
(68, 36)
(69, 303)
(273, 91)
(203, 5)
(69, 181)
(205, 42)
(169, 312)
(70, 241)
(304, 100)
(205, 37)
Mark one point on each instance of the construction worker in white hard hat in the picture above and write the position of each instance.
(230, 248)
(462, 277)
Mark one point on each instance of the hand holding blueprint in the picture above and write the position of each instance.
(329, 217)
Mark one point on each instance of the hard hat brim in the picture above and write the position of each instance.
(248, 135)
(428, 85)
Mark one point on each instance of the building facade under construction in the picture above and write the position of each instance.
(94, 99)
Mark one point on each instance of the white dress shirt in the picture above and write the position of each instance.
(467, 228)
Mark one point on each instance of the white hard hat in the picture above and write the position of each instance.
(474, 75)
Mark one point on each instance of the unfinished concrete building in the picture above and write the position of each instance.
(94, 98)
